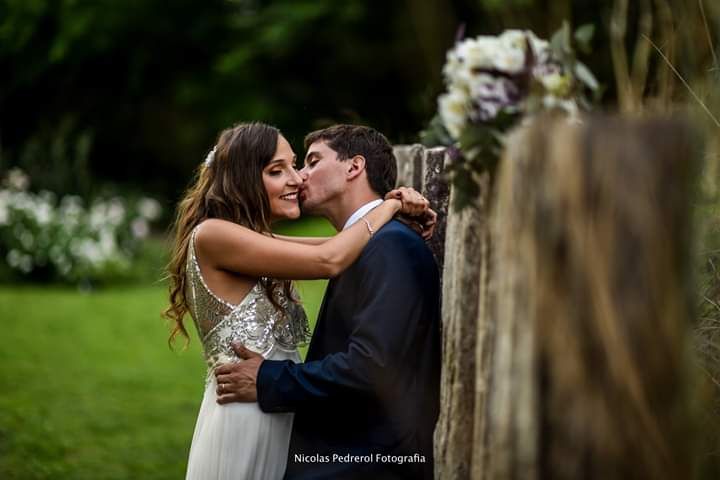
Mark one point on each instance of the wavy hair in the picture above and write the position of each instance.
(230, 187)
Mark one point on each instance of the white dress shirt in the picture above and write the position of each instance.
(361, 211)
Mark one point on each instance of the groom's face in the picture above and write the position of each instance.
(324, 178)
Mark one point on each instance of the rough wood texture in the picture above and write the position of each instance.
(589, 377)
(422, 169)
(510, 440)
(461, 247)
(437, 190)
(563, 344)
(463, 301)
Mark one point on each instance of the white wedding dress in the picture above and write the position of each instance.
(238, 441)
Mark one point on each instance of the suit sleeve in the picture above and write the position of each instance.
(390, 306)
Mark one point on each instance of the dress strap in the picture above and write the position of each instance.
(194, 264)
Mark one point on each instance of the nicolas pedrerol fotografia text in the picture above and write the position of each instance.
(348, 458)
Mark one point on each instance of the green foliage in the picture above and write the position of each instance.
(148, 87)
(565, 44)
(56, 158)
(501, 4)
(583, 38)
(435, 133)
(64, 240)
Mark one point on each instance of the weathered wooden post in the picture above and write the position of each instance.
(566, 308)
(462, 249)
(422, 168)
(589, 378)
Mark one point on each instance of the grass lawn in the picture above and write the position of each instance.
(89, 388)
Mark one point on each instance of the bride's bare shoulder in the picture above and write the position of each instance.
(214, 228)
(214, 235)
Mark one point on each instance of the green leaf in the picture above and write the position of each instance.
(583, 36)
(561, 42)
(585, 75)
(435, 134)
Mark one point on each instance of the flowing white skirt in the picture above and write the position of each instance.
(238, 441)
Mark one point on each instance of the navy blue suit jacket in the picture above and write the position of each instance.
(370, 384)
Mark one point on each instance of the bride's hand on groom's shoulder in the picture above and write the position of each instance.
(416, 212)
(236, 382)
(424, 225)
(413, 203)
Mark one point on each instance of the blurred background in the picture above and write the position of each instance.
(106, 109)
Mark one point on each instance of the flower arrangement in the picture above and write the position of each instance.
(494, 81)
(41, 237)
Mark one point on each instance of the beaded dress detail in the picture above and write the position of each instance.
(254, 322)
(238, 440)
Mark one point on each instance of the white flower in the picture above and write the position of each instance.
(97, 216)
(90, 251)
(71, 205)
(453, 66)
(115, 211)
(4, 207)
(13, 258)
(514, 39)
(47, 197)
(107, 244)
(140, 228)
(149, 208)
(478, 53)
(17, 179)
(510, 60)
(541, 48)
(44, 213)
(453, 108)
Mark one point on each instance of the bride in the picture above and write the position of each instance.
(233, 277)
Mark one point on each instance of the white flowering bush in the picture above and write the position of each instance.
(494, 81)
(43, 237)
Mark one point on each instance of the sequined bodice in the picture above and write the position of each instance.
(254, 322)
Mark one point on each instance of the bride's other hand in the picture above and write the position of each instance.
(416, 212)
(423, 225)
(413, 203)
(427, 223)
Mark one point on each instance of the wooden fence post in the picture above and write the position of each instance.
(422, 168)
(590, 374)
(462, 248)
(565, 310)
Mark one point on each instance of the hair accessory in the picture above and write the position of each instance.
(369, 227)
(210, 156)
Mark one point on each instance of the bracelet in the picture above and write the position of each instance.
(369, 227)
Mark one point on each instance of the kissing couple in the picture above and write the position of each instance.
(364, 402)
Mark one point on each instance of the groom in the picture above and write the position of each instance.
(367, 397)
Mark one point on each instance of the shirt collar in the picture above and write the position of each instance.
(361, 211)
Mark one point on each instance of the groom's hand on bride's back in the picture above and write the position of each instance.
(236, 381)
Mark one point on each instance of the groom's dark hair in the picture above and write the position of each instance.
(351, 140)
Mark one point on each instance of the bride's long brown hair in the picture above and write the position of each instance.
(230, 188)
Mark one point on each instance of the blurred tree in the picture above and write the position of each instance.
(149, 85)
(137, 90)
